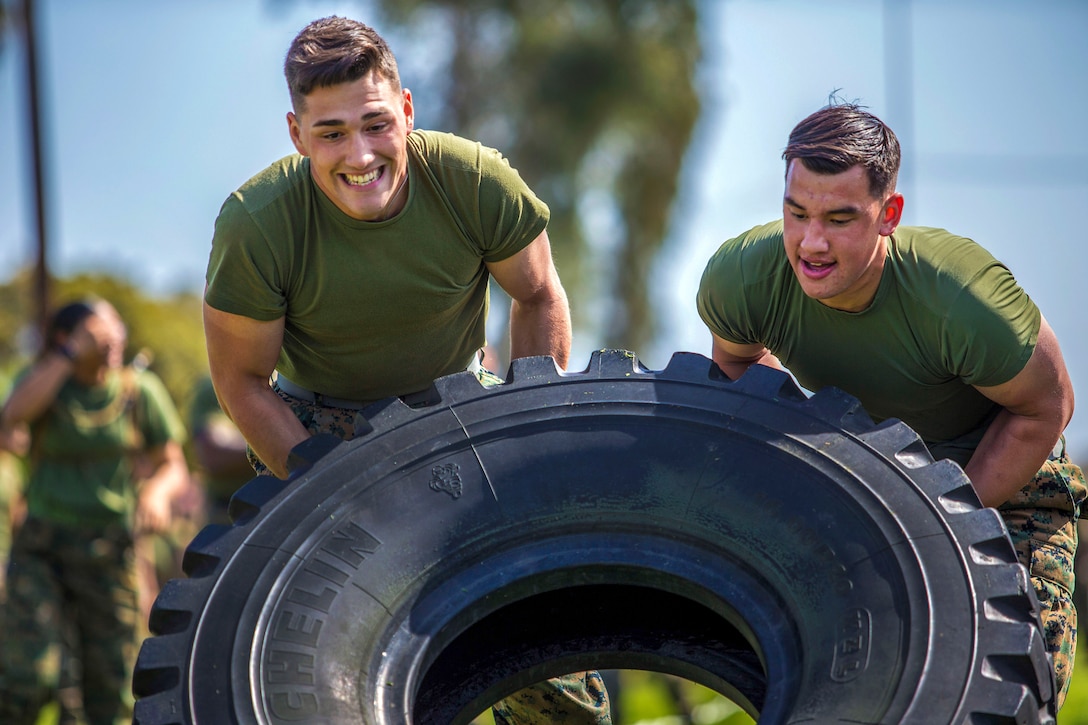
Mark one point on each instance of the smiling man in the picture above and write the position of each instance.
(358, 269)
(919, 325)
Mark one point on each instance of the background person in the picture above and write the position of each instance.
(358, 269)
(14, 443)
(220, 451)
(918, 324)
(93, 423)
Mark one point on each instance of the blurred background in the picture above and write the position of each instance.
(653, 129)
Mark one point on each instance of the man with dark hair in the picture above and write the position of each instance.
(358, 270)
(919, 325)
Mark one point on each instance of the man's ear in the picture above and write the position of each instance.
(295, 130)
(891, 214)
(409, 114)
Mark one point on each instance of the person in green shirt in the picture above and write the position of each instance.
(105, 463)
(918, 324)
(13, 446)
(358, 269)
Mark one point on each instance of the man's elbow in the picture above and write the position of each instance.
(548, 296)
(551, 307)
(1067, 403)
(236, 391)
(1053, 417)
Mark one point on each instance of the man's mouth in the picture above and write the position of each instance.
(817, 269)
(363, 179)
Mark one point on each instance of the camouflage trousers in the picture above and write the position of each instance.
(69, 592)
(579, 698)
(1042, 522)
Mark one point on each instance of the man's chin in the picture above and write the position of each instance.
(364, 213)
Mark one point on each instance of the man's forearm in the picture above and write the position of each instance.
(541, 329)
(269, 427)
(734, 367)
(37, 391)
(1011, 452)
(165, 482)
(169, 474)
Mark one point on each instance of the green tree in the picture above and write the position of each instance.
(593, 101)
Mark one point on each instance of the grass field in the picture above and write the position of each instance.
(1075, 710)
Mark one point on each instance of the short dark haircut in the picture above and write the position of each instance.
(843, 135)
(335, 50)
(66, 318)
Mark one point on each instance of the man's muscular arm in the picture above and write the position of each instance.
(539, 313)
(1038, 403)
(242, 354)
(734, 358)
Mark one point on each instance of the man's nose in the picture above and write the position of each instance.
(814, 239)
(360, 153)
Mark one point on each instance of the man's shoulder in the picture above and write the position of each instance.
(758, 246)
(941, 271)
(936, 242)
(940, 253)
(276, 180)
(440, 148)
(747, 261)
(446, 153)
(766, 236)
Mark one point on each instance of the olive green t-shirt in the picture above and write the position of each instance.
(946, 316)
(374, 309)
(81, 467)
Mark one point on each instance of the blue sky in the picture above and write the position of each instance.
(156, 111)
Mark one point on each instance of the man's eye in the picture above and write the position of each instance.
(378, 127)
(332, 135)
(797, 215)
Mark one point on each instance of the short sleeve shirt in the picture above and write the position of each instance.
(947, 316)
(374, 309)
(81, 471)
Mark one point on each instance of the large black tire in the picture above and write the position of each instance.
(780, 549)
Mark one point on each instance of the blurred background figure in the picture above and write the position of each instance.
(220, 451)
(104, 465)
(14, 443)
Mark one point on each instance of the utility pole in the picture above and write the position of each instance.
(899, 86)
(41, 269)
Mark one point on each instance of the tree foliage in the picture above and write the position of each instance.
(593, 101)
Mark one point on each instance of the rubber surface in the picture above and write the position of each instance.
(780, 549)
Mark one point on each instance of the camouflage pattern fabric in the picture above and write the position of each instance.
(60, 582)
(579, 698)
(575, 698)
(1042, 522)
